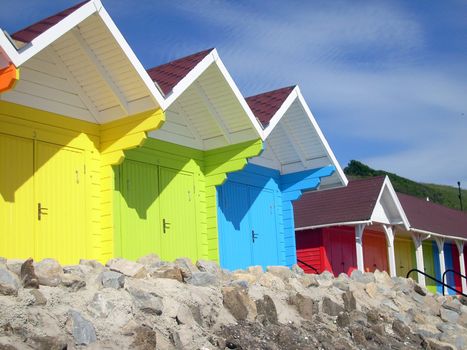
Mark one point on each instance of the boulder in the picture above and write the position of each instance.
(331, 307)
(73, 282)
(9, 283)
(202, 279)
(255, 270)
(171, 272)
(237, 301)
(343, 319)
(187, 267)
(149, 259)
(28, 276)
(126, 267)
(145, 298)
(82, 330)
(305, 306)
(39, 298)
(308, 281)
(266, 310)
(209, 266)
(145, 338)
(453, 305)
(435, 344)
(350, 303)
(112, 279)
(372, 289)
(268, 280)
(49, 272)
(448, 315)
(419, 289)
(184, 315)
(297, 270)
(361, 277)
(14, 265)
(243, 276)
(283, 272)
(100, 306)
(94, 264)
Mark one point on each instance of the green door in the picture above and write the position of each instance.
(429, 265)
(178, 215)
(139, 233)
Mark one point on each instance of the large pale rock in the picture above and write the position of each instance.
(453, 305)
(435, 344)
(361, 277)
(82, 330)
(268, 280)
(237, 301)
(149, 259)
(128, 268)
(94, 264)
(330, 307)
(100, 306)
(187, 267)
(372, 289)
(9, 283)
(305, 306)
(145, 297)
(255, 270)
(72, 281)
(266, 310)
(297, 270)
(184, 315)
(171, 272)
(14, 265)
(448, 315)
(209, 266)
(242, 276)
(49, 272)
(308, 281)
(202, 279)
(112, 279)
(283, 272)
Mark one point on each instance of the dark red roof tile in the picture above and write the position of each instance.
(170, 74)
(352, 203)
(432, 217)
(31, 32)
(265, 105)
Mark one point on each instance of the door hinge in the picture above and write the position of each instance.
(41, 211)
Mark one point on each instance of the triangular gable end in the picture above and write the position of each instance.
(204, 108)
(77, 63)
(294, 140)
(388, 209)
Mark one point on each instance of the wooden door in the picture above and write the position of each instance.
(17, 214)
(59, 186)
(263, 227)
(429, 264)
(178, 214)
(375, 251)
(139, 221)
(404, 253)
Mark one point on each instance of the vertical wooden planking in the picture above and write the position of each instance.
(428, 260)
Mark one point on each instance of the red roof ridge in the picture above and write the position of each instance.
(32, 31)
(169, 74)
(265, 105)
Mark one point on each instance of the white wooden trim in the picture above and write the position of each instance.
(213, 112)
(181, 111)
(453, 238)
(104, 75)
(345, 223)
(74, 83)
(293, 141)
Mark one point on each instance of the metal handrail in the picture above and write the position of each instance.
(455, 272)
(436, 280)
(308, 265)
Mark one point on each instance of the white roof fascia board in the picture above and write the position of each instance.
(438, 234)
(189, 79)
(256, 124)
(387, 184)
(280, 112)
(325, 143)
(125, 47)
(345, 223)
(18, 57)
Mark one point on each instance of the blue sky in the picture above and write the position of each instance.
(386, 80)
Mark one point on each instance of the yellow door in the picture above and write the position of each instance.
(16, 197)
(59, 184)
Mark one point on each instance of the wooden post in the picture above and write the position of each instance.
(359, 246)
(460, 248)
(418, 240)
(442, 264)
(389, 232)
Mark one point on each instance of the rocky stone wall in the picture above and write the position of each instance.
(153, 304)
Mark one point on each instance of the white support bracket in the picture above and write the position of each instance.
(214, 113)
(442, 264)
(104, 75)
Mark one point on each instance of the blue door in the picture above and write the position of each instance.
(234, 225)
(247, 226)
(448, 258)
(263, 227)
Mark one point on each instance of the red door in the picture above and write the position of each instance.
(309, 245)
(341, 248)
(456, 265)
(374, 251)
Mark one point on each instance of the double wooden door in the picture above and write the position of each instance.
(157, 212)
(42, 200)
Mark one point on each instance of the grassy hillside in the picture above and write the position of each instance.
(445, 195)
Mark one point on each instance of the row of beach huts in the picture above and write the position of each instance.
(101, 158)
